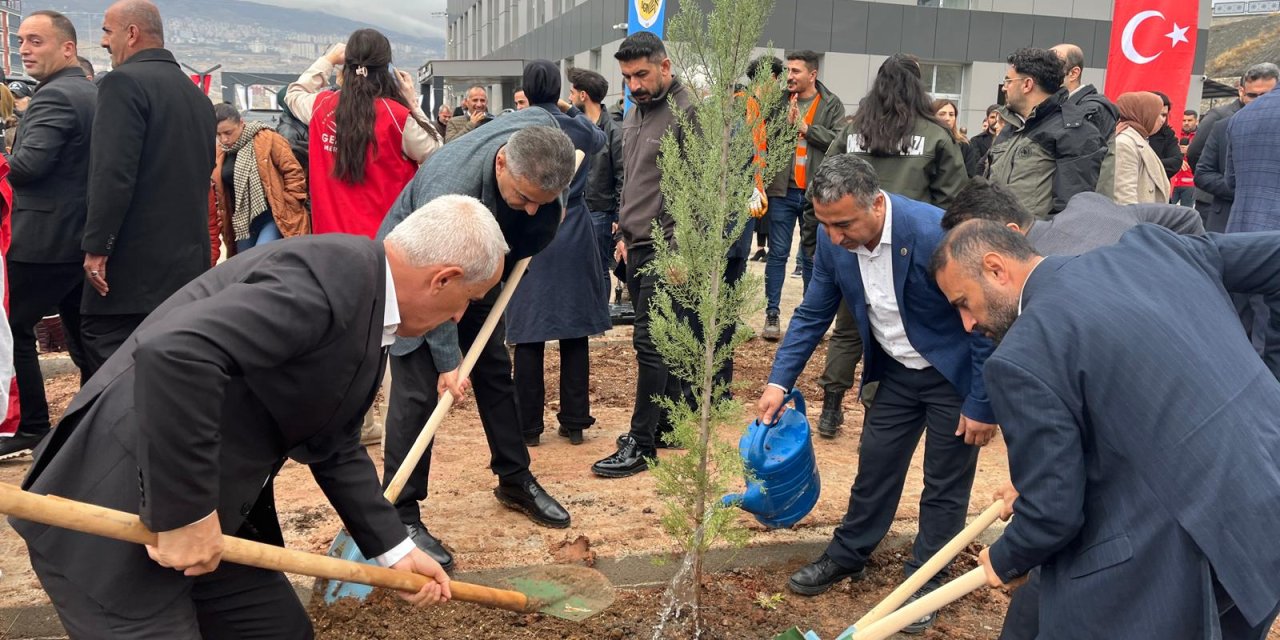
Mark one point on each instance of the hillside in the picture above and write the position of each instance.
(1234, 46)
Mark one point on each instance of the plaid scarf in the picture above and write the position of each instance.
(251, 199)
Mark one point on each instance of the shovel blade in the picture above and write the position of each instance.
(567, 592)
(344, 547)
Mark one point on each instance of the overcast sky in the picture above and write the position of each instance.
(407, 16)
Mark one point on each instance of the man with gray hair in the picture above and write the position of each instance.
(473, 113)
(517, 166)
(872, 251)
(190, 421)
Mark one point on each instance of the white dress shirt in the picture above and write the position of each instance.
(391, 322)
(887, 327)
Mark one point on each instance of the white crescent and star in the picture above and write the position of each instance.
(1178, 34)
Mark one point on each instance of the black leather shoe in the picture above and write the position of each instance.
(816, 578)
(532, 439)
(923, 624)
(832, 414)
(628, 460)
(429, 544)
(574, 435)
(659, 441)
(20, 444)
(535, 502)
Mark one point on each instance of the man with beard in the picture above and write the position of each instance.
(872, 252)
(1143, 447)
(817, 113)
(1090, 221)
(646, 70)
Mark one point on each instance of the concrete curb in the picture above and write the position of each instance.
(40, 622)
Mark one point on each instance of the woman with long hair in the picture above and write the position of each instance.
(261, 187)
(8, 117)
(896, 130)
(1140, 176)
(946, 111)
(366, 139)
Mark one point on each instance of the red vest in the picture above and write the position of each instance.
(341, 207)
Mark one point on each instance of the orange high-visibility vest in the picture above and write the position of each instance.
(802, 147)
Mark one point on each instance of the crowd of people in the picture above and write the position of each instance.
(1136, 385)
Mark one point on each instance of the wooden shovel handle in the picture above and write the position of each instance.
(118, 525)
(932, 566)
(446, 400)
(971, 581)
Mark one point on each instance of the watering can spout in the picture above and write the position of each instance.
(783, 484)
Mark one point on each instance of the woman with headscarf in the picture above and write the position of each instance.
(1140, 176)
(366, 139)
(260, 186)
(563, 296)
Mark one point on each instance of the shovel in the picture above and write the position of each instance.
(971, 581)
(343, 545)
(930, 569)
(572, 593)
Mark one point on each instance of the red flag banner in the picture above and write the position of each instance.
(1153, 46)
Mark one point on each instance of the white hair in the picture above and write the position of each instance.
(451, 230)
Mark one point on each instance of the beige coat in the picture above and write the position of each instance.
(1140, 176)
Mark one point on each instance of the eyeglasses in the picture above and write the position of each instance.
(1254, 95)
(1015, 79)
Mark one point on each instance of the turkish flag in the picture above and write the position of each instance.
(1153, 45)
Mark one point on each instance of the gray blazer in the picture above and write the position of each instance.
(465, 167)
(1091, 221)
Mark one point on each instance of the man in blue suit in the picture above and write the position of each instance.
(1253, 158)
(873, 251)
(1143, 448)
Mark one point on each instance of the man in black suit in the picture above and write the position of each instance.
(148, 181)
(277, 353)
(49, 171)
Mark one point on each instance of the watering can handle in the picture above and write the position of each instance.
(756, 446)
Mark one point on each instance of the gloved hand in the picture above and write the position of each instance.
(758, 203)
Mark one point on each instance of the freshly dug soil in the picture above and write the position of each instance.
(741, 604)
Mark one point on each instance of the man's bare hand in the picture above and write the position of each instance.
(95, 272)
(974, 432)
(621, 252)
(449, 382)
(1008, 494)
(769, 404)
(993, 580)
(436, 590)
(477, 116)
(337, 54)
(793, 110)
(195, 549)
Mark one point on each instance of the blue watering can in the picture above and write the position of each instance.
(780, 455)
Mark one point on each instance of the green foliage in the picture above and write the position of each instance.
(707, 179)
(769, 602)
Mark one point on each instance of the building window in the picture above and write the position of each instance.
(595, 60)
(944, 4)
(943, 80)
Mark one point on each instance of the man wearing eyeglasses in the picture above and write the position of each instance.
(1214, 207)
(1049, 150)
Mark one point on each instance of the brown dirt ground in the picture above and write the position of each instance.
(736, 605)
